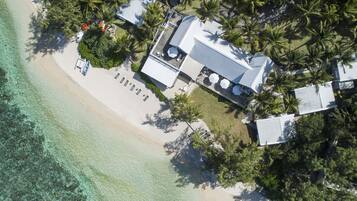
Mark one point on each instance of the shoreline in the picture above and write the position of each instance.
(113, 102)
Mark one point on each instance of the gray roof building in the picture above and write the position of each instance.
(133, 11)
(275, 130)
(347, 72)
(315, 98)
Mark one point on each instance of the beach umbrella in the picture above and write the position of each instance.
(172, 52)
(224, 83)
(236, 90)
(213, 78)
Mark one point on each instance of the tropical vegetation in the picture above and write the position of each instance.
(183, 109)
(305, 39)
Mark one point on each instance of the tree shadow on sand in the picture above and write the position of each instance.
(188, 163)
(250, 196)
(190, 167)
(42, 41)
(162, 119)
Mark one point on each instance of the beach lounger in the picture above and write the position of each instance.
(122, 80)
(132, 87)
(146, 98)
(80, 63)
(85, 68)
(138, 92)
(126, 82)
(117, 75)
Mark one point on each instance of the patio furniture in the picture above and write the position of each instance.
(236, 90)
(224, 83)
(172, 52)
(213, 78)
(79, 36)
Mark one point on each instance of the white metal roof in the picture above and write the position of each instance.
(133, 11)
(275, 130)
(201, 41)
(255, 78)
(315, 98)
(347, 73)
(191, 67)
(184, 37)
(160, 71)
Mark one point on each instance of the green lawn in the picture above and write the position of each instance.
(216, 109)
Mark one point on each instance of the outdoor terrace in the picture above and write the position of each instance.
(162, 46)
(203, 79)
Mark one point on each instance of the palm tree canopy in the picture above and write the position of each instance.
(209, 9)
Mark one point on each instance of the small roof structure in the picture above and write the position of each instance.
(315, 98)
(275, 130)
(160, 71)
(347, 72)
(191, 67)
(133, 11)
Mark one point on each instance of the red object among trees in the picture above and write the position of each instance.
(85, 27)
(101, 24)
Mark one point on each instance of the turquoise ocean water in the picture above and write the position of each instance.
(110, 165)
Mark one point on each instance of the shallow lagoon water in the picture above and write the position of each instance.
(110, 164)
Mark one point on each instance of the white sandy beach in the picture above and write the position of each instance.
(109, 99)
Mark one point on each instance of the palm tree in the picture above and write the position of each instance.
(209, 9)
(248, 7)
(280, 81)
(254, 4)
(249, 28)
(315, 56)
(89, 6)
(232, 6)
(349, 10)
(230, 33)
(123, 46)
(115, 4)
(274, 39)
(265, 104)
(330, 13)
(319, 75)
(308, 9)
(183, 109)
(154, 16)
(106, 13)
(292, 59)
(228, 24)
(291, 104)
(186, 2)
(322, 35)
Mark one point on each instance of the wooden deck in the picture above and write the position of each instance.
(241, 100)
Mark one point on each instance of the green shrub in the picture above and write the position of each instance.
(98, 48)
(150, 85)
(135, 67)
(86, 53)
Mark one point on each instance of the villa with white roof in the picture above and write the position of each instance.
(194, 49)
(133, 11)
(275, 130)
(346, 74)
(315, 98)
